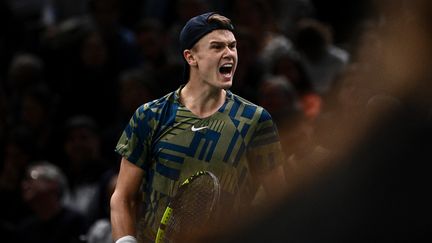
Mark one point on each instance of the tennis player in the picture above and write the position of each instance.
(199, 126)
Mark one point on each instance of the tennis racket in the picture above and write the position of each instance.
(190, 210)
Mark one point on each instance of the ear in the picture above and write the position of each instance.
(189, 57)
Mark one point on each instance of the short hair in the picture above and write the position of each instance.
(44, 170)
(222, 20)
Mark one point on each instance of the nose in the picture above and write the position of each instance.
(229, 52)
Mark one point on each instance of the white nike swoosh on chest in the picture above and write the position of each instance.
(194, 129)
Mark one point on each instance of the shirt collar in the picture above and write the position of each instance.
(229, 94)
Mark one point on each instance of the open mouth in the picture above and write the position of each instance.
(226, 69)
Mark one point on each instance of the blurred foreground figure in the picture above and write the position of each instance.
(374, 186)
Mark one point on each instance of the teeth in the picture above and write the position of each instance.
(228, 65)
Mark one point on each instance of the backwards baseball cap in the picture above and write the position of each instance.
(196, 28)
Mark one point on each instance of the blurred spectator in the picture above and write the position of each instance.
(257, 16)
(52, 222)
(29, 11)
(120, 41)
(323, 61)
(17, 152)
(299, 130)
(151, 40)
(99, 47)
(250, 69)
(345, 18)
(278, 96)
(289, 12)
(300, 137)
(29, 100)
(100, 230)
(36, 112)
(136, 87)
(295, 111)
(183, 10)
(89, 75)
(311, 104)
(12, 37)
(295, 107)
(345, 104)
(65, 9)
(25, 70)
(352, 93)
(310, 101)
(288, 65)
(158, 9)
(84, 164)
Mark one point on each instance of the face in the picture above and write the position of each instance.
(82, 145)
(215, 58)
(35, 188)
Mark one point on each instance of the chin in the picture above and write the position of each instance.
(226, 85)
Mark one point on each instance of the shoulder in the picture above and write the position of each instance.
(240, 101)
(250, 109)
(154, 107)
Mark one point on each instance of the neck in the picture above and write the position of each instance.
(202, 100)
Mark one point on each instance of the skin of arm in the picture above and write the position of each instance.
(124, 200)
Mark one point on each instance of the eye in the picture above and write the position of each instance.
(232, 45)
(217, 46)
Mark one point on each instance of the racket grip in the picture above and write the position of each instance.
(161, 231)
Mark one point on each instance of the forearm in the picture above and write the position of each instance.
(123, 217)
(124, 200)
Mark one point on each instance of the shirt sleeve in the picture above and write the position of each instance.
(135, 142)
(265, 152)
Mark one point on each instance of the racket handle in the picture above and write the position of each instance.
(161, 231)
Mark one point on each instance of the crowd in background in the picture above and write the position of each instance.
(73, 72)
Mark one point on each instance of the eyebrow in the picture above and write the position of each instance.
(223, 42)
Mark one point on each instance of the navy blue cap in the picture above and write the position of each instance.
(196, 28)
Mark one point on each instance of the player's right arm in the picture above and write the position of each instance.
(124, 200)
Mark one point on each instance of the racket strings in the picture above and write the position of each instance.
(192, 208)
